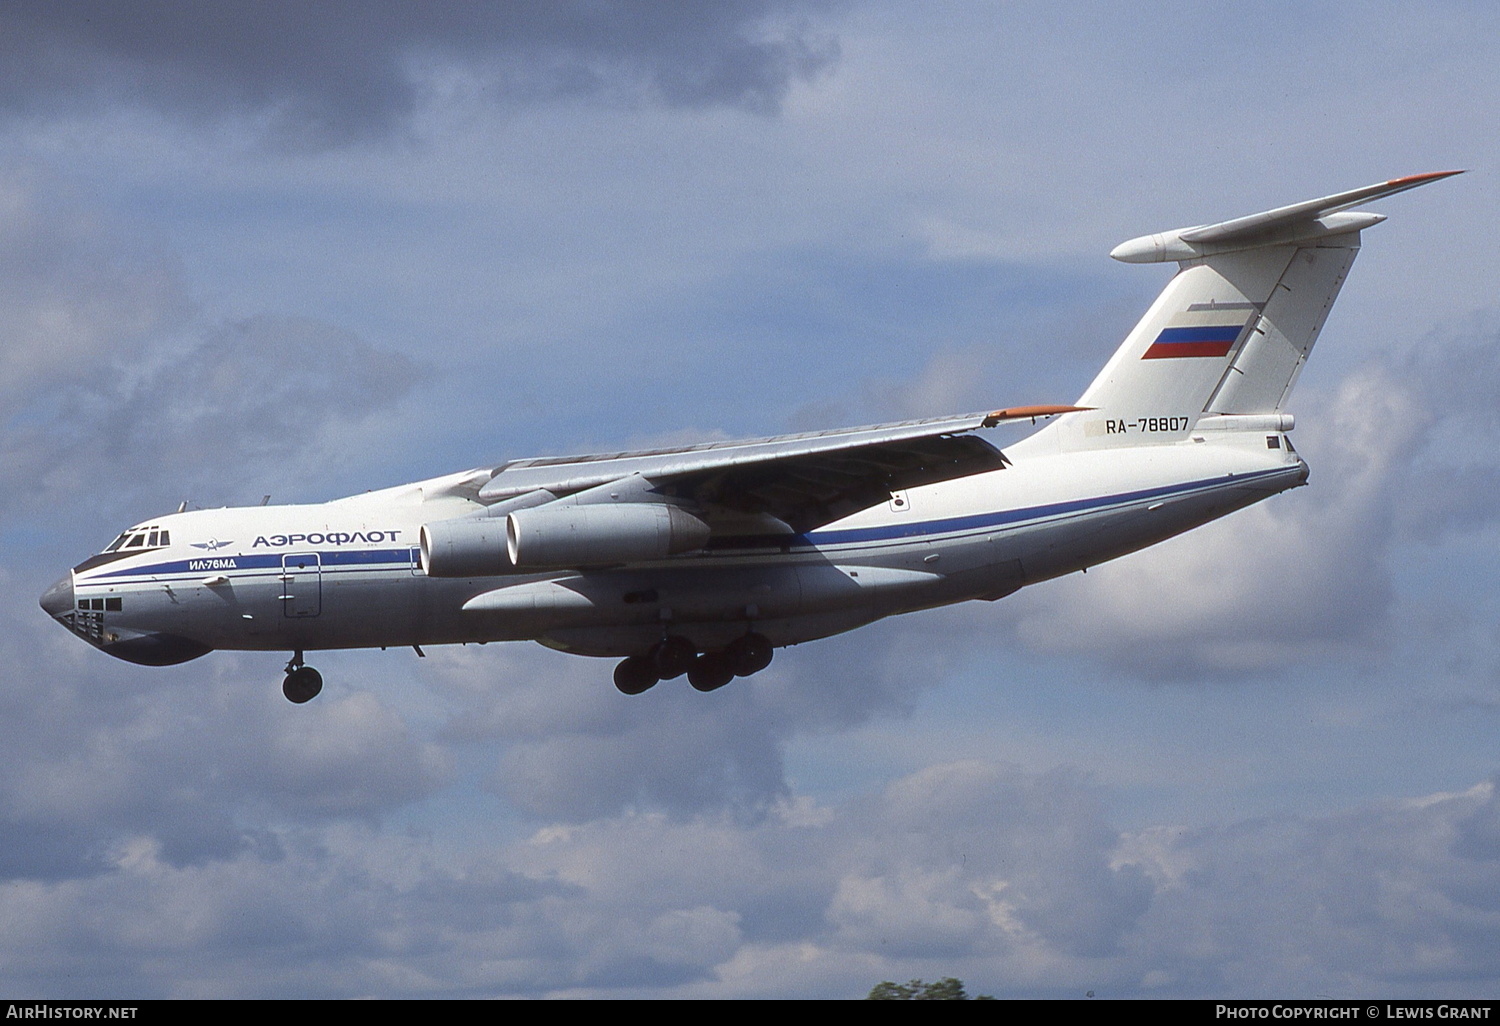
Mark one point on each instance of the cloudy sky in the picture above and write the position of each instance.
(305, 250)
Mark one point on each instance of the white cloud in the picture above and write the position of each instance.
(651, 261)
(1308, 573)
(118, 391)
(1007, 879)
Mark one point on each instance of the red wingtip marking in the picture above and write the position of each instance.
(1426, 176)
(1019, 412)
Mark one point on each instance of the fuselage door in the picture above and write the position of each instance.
(301, 584)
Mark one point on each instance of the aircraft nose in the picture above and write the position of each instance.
(58, 599)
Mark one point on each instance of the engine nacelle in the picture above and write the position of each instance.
(465, 548)
(555, 537)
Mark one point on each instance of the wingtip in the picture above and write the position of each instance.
(1033, 412)
(1425, 176)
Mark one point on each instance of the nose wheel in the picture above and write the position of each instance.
(302, 682)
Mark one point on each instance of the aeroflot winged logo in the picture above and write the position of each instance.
(704, 559)
(328, 538)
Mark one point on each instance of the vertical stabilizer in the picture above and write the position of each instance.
(1233, 328)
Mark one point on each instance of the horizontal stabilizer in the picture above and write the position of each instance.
(1222, 346)
(1299, 222)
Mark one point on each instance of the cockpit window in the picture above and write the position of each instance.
(138, 538)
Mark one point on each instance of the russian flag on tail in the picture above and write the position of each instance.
(1208, 340)
(1210, 331)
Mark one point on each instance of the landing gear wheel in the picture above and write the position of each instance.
(749, 654)
(711, 672)
(635, 675)
(673, 657)
(302, 684)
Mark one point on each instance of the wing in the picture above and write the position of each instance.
(802, 481)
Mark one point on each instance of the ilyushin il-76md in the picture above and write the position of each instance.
(702, 560)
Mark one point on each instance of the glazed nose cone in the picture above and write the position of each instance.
(58, 599)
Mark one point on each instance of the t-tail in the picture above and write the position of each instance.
(1229, 335)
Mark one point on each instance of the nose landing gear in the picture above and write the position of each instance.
(302, 682)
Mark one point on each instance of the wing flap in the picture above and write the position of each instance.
(808, 490)
(804, 480)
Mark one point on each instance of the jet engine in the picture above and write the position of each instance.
(465, 548)
(559, 537)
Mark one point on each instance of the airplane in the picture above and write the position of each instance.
(703, 559)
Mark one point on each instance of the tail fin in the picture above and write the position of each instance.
(1232, 329)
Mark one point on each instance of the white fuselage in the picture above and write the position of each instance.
(349, 573)
(702, 559)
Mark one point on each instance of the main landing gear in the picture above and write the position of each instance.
(302, 682)
(673, 656)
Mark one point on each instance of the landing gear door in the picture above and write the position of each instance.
(301, 584)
